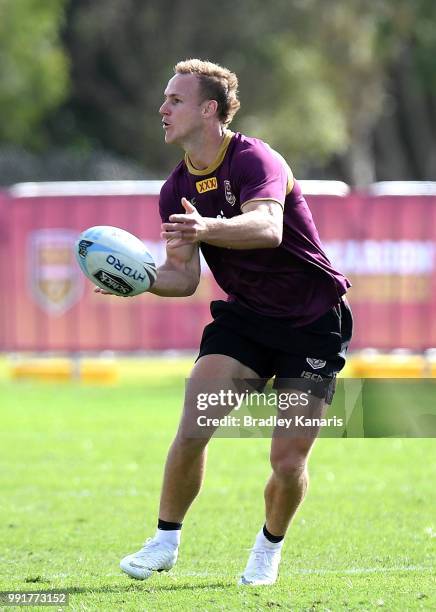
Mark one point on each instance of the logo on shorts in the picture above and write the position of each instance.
(316, 364)
(311, 376)
(207, 185)
(231, 199)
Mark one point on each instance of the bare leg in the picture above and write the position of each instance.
(288, 483)
(186, 461)
(184, 472)
(284, 492)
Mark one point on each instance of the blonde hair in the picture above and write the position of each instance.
(216, 83)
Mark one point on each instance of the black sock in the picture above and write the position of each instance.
(167, 526)
(272, 538)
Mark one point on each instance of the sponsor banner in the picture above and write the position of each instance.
(385, 245)
(51, 305)
(4, 278)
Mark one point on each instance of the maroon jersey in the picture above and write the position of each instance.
(294, 280)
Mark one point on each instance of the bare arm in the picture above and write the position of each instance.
(180, 274)
(259, 227)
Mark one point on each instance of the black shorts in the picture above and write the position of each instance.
(307, 357)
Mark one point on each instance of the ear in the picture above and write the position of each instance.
(210, 108)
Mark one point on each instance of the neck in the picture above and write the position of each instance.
(203, 150)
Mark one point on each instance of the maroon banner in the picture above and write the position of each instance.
(4, 262)
(52, 306)
(384, 244)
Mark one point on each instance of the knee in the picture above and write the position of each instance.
(290, 466)
(188, 445)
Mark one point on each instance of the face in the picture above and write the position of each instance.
(182, 110)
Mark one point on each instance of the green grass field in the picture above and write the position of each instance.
(80, 473)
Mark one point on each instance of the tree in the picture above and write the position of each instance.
(405, 135)
(342, 89)
(122, 52)
(33, 68)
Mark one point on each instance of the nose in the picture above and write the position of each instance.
(163, 109)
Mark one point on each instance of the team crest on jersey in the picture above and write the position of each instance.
(207, 185)
(55, 279)
(231, 199)
(316, 364)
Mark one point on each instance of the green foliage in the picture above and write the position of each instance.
(123, 52)
(33, 67)
(297, 110)
(320, 80)
(406, 26)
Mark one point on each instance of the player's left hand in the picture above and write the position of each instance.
(185, 228)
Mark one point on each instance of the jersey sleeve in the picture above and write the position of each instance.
(169, 203)
(262, 175)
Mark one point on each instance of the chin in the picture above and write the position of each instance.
(170, 139)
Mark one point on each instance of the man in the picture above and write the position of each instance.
(236, 199)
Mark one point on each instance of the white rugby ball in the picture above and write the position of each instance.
(115, 260)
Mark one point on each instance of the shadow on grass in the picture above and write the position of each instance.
(138, 588)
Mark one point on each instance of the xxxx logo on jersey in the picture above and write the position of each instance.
(207, 185)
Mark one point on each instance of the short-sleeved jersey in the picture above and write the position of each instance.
(294, 280)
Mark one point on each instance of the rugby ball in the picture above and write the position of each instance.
(115, 260)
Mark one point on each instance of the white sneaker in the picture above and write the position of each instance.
(154, 556)
(262, 566)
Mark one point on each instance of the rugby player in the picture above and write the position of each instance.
(236, 199)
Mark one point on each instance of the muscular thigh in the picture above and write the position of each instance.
(207, 391)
